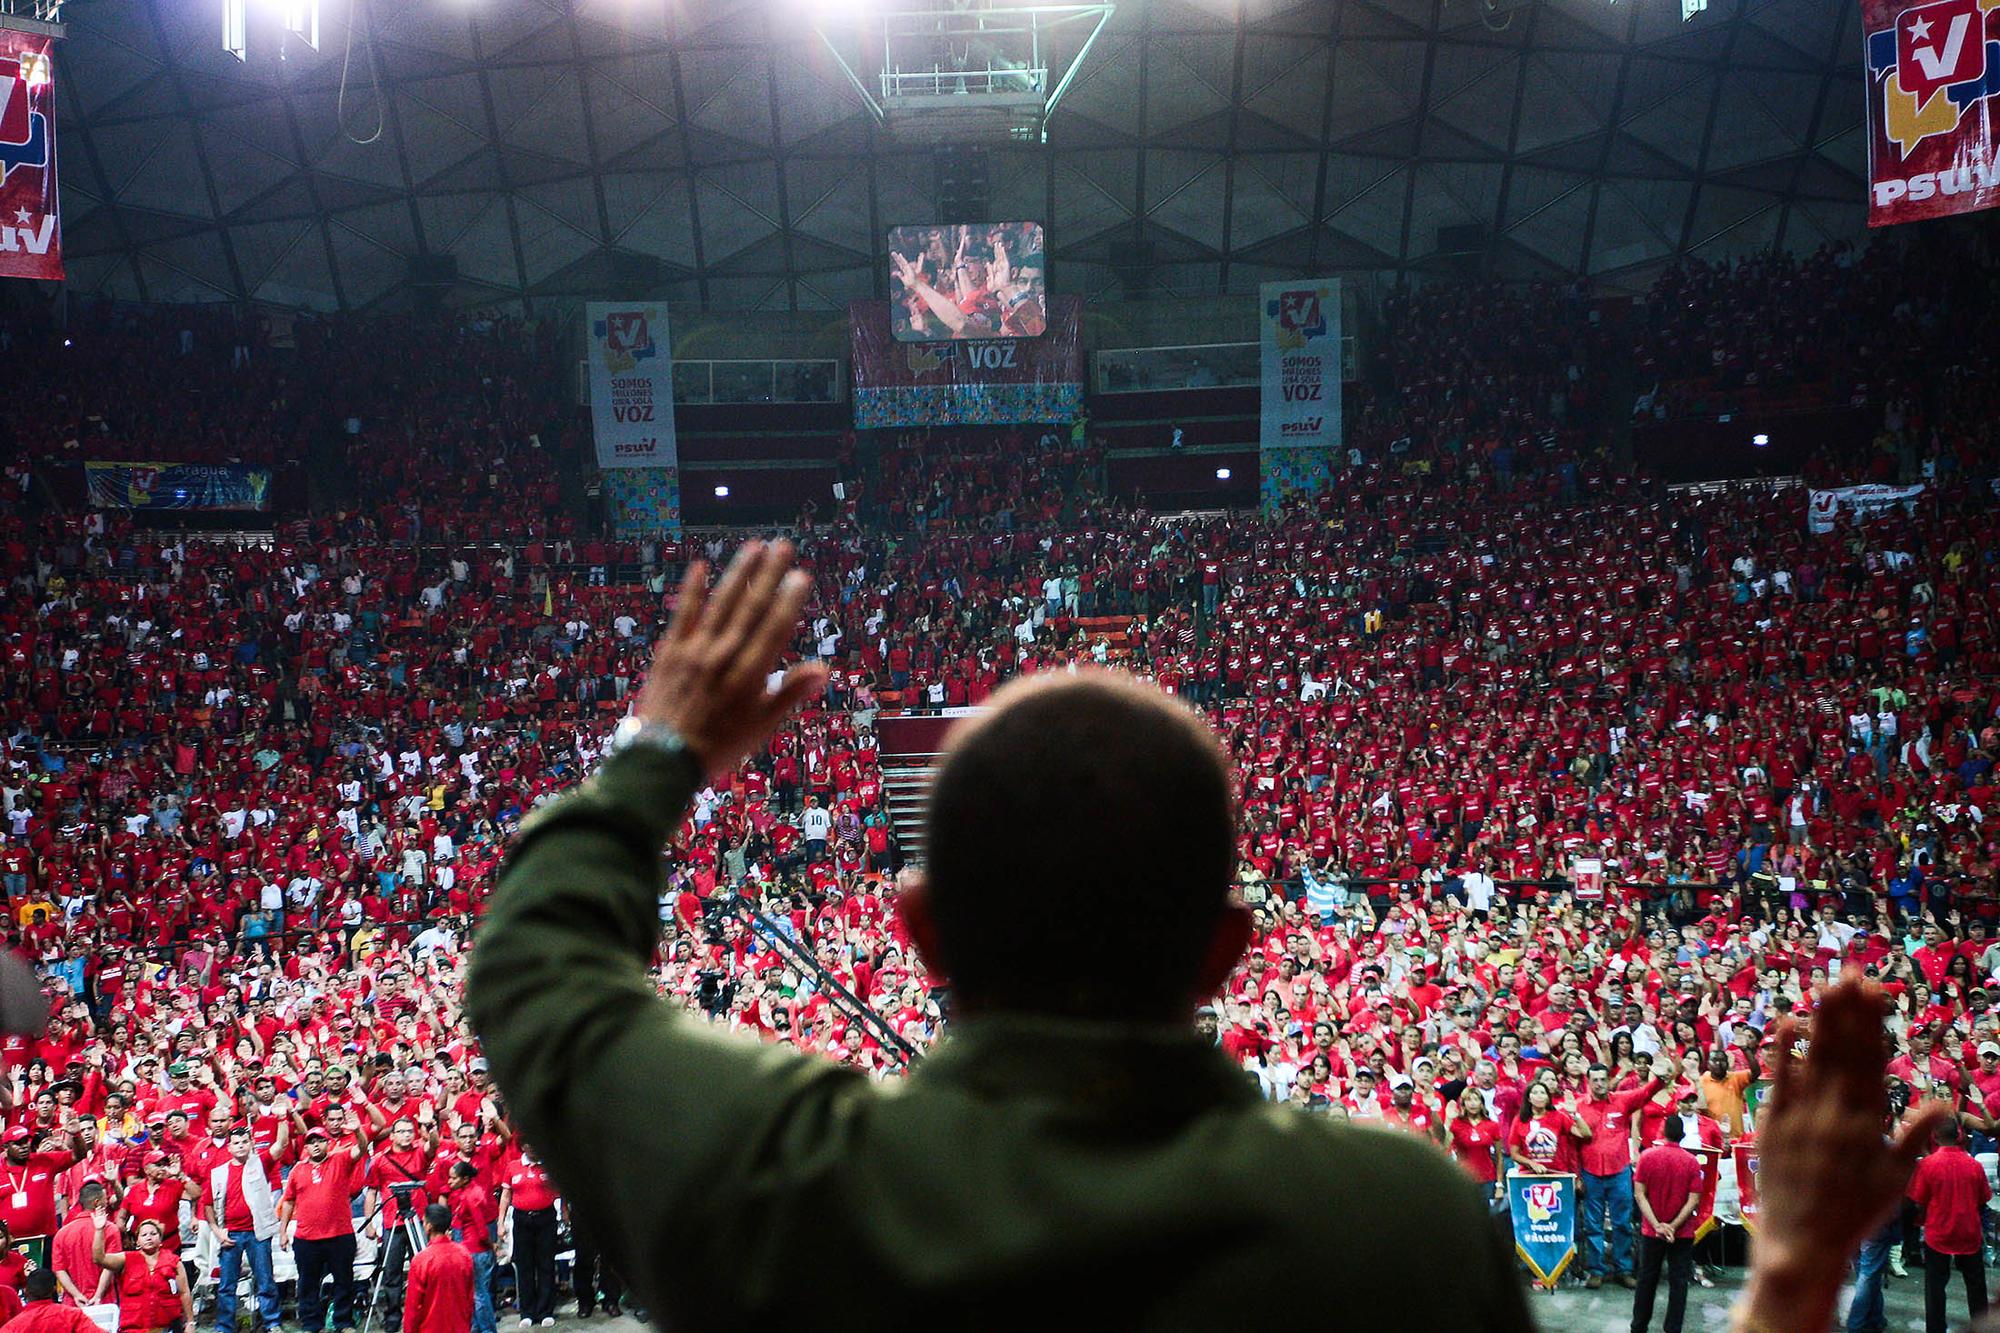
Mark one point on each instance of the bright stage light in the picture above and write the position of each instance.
(1760, 440)
(1222, 474)
(722, 492)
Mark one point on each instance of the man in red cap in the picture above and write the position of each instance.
(316, 1217)
(28, 1184)
(157, 1196)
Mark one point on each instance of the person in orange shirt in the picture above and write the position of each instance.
(1723, 1089)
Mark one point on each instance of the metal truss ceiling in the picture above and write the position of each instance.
(1207, 146)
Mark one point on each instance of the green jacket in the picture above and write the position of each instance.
(1031, 1173)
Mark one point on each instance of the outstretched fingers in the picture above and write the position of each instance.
(1785, 1075)
(687, 606)
(728, 594)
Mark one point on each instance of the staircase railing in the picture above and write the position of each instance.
(843, 999)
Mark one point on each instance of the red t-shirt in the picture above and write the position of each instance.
(472, 1217)
(158, 1203)
(1951, 1188)
(1671, 1175)
(529, 1186)
(69, 1253)
(236, 1215)
(49, 1317)
(1546, 1141)
(28, 1193)
(322, 1197)
(1472, 1143)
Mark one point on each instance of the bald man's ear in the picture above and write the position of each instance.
(1225, 950)
(913, 906)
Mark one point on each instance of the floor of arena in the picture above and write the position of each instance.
(1609, 1309)
(1575, 1310)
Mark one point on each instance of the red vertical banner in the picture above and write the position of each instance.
(30, 225)
(1746, 1182)
(1933, 70)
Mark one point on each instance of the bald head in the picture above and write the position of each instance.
(1079, 849)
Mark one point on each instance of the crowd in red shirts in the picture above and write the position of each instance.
(1542, 766)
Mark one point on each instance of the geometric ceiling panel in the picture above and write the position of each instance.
(1203, 145)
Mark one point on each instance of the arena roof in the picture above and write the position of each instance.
(1206, 145)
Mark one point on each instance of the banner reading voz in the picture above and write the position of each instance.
(972, 382)
(1300, 344)
(30, 222)
(631, 384)
(1933, 72)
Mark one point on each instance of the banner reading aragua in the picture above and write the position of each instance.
(1544, 1213)
(1933, 70)
(30, 226)
(177, 486)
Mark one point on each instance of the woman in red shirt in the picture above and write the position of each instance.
(1475, 1138)
(157, 1198)
(153, 1292)
(1545, 1136)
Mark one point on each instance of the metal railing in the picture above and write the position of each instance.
(837, 994)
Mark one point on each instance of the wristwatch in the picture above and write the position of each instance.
(633, 733)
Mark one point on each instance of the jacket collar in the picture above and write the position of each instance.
(1087, 1068)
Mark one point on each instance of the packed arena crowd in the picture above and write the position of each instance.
(1557, 788)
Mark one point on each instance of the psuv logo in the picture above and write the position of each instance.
(1932, 66)
(1299, 316)
(24, 133)
(1544, 1199)
(626, 337)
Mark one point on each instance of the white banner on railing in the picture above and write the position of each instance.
(631, 384)
(1857, 503)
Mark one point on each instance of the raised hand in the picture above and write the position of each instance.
(709, 670)
(1827, 1176)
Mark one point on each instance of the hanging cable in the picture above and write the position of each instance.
(360, 8)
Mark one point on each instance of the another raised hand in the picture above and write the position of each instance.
(710, 669)
(1827, 1172)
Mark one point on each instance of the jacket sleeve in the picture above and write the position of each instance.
(650, 1123)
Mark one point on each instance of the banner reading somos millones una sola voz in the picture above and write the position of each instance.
(631, 384)
(1300, 335)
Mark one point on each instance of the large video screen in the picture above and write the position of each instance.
(967, 280)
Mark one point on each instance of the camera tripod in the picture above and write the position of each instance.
(411, 1229)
